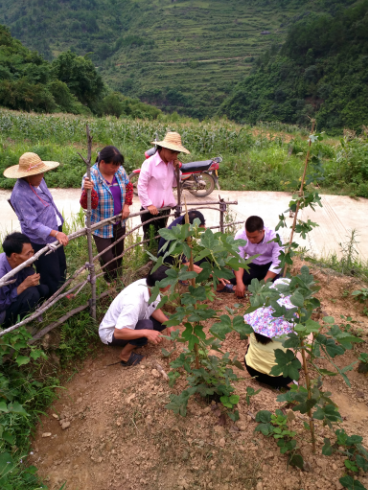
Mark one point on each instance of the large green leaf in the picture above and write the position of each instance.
(7, 465)
(222, 328)
(241, 327)
(351, 484)
(297, 299)
(287, 365)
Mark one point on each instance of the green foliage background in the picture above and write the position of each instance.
(321, 71)
(183, 55)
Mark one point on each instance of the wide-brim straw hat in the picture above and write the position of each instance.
(172, 141)
(29, 164)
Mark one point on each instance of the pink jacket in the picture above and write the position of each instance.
(155, 183)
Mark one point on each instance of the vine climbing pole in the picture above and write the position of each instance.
(90, 265)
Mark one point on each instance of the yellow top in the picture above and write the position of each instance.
(262, 357)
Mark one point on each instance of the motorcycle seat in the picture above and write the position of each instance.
(195, 166)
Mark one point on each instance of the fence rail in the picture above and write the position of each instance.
(93, 274)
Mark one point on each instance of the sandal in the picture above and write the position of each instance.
(229, 288)
(133, 360)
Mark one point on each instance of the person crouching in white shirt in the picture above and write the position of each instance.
(131, 321)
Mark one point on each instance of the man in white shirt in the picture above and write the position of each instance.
(259, 242)
(131, 321)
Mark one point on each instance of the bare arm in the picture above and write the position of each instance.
(240, 286)
(152, 336)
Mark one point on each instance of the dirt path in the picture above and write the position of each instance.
(120, 436)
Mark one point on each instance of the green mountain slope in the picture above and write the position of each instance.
(321, 71)
(183, 55)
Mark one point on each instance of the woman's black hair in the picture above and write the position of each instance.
(193, 214)
(262, 339)
(158, 275)
(13, 243)
(110, 154)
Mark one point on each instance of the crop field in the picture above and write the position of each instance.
(266, 157)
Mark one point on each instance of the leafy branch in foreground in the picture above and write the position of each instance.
(206, 374)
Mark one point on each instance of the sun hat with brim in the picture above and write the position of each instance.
(265, 324)
(172, 141)
(29, 164)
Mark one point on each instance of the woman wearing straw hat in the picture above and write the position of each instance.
(266, 338)
(40, 220)
(156, 180)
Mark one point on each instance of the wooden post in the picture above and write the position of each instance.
(222, 211)
(91, 267)
(178, 205)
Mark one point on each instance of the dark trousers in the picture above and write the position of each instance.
(24, 303)
(255, 272)
(113, 270)
(157, 224)
(52, 267)
(150, 324)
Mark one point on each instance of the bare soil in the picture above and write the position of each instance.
(119, 435)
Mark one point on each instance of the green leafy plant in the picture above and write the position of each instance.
(276, 425)
(208, 375)
(361, 295)
(363, 363)
(250, 393)
(357, 456)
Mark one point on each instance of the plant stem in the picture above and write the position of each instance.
(300, 194)
(307, 379)
(189, 241)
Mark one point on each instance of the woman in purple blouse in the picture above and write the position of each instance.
(40, 220)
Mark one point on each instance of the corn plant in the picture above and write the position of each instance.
(208, 375)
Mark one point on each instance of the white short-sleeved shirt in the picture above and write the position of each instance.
(130, 306)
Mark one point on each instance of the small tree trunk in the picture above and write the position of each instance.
(300, 193)
(189, 241)
(307, 379)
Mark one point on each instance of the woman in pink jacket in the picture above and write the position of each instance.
(156, 180)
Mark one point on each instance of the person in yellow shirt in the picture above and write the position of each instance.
(260, 355)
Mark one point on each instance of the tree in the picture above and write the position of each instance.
(80, 75)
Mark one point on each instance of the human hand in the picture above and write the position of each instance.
(153, 210)
(240, 290)
(33, 280)
(87, 184)
(169, 330)
(153, 336)
(224, 281)
(62, 238)
(125, 212)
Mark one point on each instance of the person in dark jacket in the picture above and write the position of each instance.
(23, 295)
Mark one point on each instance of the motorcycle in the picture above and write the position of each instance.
(199, 178)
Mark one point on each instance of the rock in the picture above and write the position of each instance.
(99, 460)
(222, 442)
(130, 398)
(55, 416)
(259, 486)
(64, 425)
(242, 425)
(46, 434)
(155, 373)
(79, 400)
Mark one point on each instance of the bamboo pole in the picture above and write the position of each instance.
(91, 267)
(222, 211)
(300, 193)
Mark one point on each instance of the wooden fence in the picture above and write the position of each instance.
(220, 206)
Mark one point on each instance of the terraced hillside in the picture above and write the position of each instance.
(182, 55)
